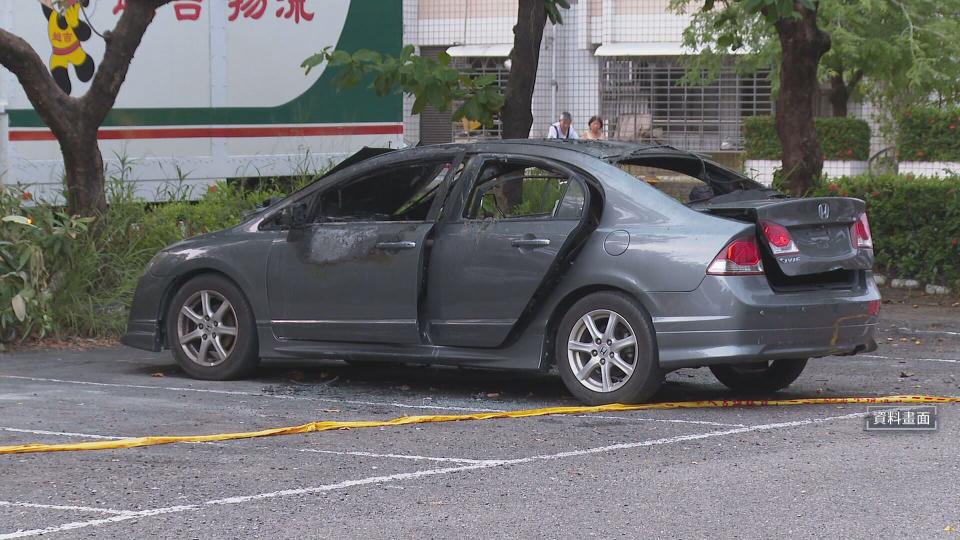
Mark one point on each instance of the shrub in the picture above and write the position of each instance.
(34, 240)
(927, 134)
(107, 262)
(915, 223)
(845, 139)
(77, 277)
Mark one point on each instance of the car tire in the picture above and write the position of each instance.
(759, 376)
(597, 373)
(220, 325)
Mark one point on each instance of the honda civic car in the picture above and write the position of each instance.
(612, 263)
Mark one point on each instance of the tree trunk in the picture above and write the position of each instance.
(839, 95)
(75, 121)
(517, 117)
(83, 164)
(803, 44)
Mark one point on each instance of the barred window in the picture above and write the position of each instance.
(465, 130)
(643, 100)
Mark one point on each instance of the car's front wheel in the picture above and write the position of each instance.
(606, 350)
(759, 376)
(211, 329)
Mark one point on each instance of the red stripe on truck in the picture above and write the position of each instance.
(226, 132)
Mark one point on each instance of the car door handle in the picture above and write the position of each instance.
(396, 245)
(530, 242)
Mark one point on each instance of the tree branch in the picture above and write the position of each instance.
(855, 79)
(46, 97)
(122, 44)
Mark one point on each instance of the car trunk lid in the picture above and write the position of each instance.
(820, 231)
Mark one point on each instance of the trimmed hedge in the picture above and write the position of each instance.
(915, 223)
(927, 134)
(845, 139)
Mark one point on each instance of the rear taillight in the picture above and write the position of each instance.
(873, 307)
(860, 233)
(741, 257)
(779, 239)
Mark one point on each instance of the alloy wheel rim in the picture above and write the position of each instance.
(602, 350)
(207, 328)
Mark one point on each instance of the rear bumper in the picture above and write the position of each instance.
(740, 319)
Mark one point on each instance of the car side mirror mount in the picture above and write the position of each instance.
(293, 217)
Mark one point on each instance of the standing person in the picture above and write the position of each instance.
(595, 129)
(563, 129)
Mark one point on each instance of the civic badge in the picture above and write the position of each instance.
(824, 210)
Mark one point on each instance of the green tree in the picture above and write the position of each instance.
(896, 53)
(434, 82)
(731, 25)
(75, 121)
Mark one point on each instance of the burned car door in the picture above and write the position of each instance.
(491, 256)
(353, 273)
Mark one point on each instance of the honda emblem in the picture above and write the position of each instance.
(824, 210)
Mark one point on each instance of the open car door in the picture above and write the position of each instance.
(353, 272)
(504, 229)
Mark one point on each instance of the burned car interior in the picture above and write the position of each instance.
(403, 194)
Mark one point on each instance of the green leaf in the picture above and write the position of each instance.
(312, 61)
(340, 58)
(20, 220)
(419, 104)
(367, 56)
(449, 75)
(435, 96)
(19, 307)
(485, 80)
(25, 257)
(552, 12)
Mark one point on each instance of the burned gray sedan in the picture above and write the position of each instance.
(612, 262)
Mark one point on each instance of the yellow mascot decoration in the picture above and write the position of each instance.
(67, 32)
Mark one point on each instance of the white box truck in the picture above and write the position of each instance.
(215, 90)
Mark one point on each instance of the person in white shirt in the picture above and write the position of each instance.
(563, 129)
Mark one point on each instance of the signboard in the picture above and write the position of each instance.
(215, 90)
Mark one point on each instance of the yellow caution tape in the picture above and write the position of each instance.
(311, 427)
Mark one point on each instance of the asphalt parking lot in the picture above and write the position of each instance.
(807, 471)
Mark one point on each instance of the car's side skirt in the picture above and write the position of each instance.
(525, 353)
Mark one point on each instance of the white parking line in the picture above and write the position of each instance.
(944, 360)
(419, 474)
(58, 433)
(252, 394)
(89, 509)
(631, 419)
(312, 450)
(394, 456)
(944, 332)
(334, 400)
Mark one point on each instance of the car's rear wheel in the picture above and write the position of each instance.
(606, 350)
(759, 376)
(211, 329)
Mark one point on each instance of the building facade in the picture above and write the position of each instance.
(619, 59)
